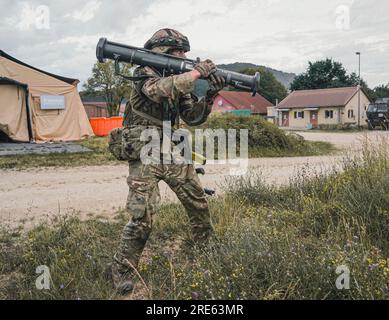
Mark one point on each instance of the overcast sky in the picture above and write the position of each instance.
(282, 34)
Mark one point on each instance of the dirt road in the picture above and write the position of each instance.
(39, 193)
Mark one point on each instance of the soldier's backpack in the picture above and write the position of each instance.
(125, 143)
(115, 143)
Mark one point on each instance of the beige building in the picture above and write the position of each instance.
(312, 108)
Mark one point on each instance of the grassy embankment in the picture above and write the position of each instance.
(282, 242)
(265, 140)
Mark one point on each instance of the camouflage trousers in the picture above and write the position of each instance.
(143, 198)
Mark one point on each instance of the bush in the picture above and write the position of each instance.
(351, 197)
(266, 139)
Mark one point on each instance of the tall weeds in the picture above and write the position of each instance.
(271, 242)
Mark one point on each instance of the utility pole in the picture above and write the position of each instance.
(359, 89)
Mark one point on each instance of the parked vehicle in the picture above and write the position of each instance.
(378, 115)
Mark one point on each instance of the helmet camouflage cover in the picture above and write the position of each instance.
(166, 39)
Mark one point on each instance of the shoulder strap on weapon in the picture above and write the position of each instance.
(139, 78)
(142, 76)
(148, 117)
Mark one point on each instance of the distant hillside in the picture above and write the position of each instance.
(283, 77)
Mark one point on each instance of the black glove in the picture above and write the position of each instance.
(216, 83)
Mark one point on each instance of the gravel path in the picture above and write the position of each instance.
(8, 149)
(38, 193)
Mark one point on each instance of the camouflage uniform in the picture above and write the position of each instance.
(163, 99)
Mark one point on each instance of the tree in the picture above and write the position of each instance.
(105, 83)
(354, 81)
(324, 74)
(269, 87)
(381, 92)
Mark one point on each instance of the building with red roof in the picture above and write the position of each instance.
(227, 101)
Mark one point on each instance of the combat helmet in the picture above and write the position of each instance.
(166, 39)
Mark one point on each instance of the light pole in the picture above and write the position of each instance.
(359, 88)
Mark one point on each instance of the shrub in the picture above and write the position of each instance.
(264, 138)
(353, 197)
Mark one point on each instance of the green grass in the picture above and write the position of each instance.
(265, 140)
(301, 149)
(272, 242)
(341, 128)
(75, 252)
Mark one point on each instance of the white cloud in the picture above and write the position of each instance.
(284, 35)
(229, 31)
(87, 12)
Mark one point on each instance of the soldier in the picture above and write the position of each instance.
(159, 97)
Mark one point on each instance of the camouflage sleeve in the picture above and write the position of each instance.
(127, 115)
(157, 88)
(193, 111)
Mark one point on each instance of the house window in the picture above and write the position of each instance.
(350, 114)
(329, 114)
(299, 114)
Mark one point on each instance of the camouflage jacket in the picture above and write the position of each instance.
(164, 99)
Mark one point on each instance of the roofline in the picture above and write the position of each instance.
(318, 107)
(228, 101)
(271, 104)
(12, 81)
(308, 90)
(338, 88)
(364, 91)
(352, 96)
(71, 81)
(335, 88)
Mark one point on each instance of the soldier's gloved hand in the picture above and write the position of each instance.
(205, 68)
(216, 83)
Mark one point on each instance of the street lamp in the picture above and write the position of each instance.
(359, 88)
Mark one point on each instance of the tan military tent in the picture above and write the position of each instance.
(39, 106)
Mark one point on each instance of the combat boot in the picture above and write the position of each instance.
(122, 282)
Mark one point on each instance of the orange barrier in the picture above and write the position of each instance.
(103, 126)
